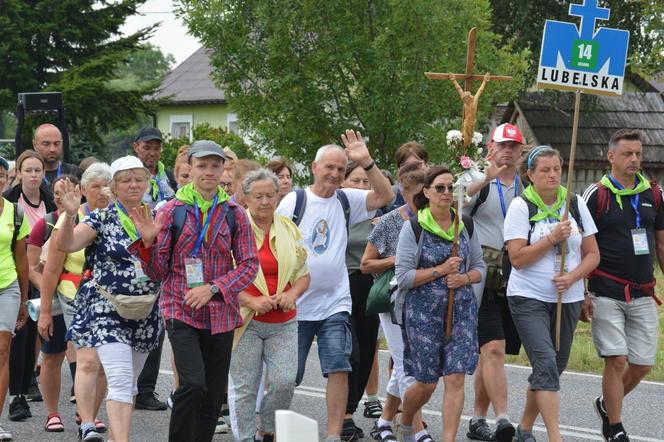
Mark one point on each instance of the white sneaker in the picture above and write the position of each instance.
(5, 435)
(222, 427)
(169, 401)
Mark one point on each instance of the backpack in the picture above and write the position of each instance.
(180, 216)
(484, 194)
(301, 205)
(18, 221)
(417, 228)
(49, 220)
(604, 201)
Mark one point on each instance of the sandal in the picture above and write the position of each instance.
(54, 424)
(376, 433)
(425, 438)
(100, 426)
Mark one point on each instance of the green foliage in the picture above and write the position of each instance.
(300, 72)
(521, 22)
(145, 67)
(75, 47)
(204, 131)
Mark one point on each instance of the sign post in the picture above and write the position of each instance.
(583, 60)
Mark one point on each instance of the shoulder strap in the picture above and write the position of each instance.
(300, 205)
(468, 224)
(656, 194)
(481, 198)
(345, 205)
(179, 217)
(603, 201)
(574, 211)
(230, 220)
(532, 211)
(417, 229)
(49, 221)
(18, 221)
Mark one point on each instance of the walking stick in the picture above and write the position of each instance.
(570, 170)
(455, 252)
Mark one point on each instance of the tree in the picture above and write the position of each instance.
(75, 47)
(521, 22)
(300, 72)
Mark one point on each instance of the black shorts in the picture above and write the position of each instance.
(494, 323)
(56, 343)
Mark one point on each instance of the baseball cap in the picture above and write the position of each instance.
(4, 163)
(230, 154)
(205, 148)
(149, 133)
(126, 163)
(507, 132)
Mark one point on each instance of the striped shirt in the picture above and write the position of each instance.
(223, 248)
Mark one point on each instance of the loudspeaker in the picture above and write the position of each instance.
(40, 101)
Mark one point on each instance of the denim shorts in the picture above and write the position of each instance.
(335, 343)
(10, 301)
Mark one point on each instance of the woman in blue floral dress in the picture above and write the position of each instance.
(122, 344)
(428, 353)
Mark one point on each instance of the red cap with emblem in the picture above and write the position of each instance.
(507, 132)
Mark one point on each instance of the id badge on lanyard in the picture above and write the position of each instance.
(194, 265)
(138, 271)
(557, 253)
(194, 270)
(640, 242)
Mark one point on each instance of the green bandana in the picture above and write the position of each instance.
(127, 223)
(426, 220)
(545, 212)
(157, 177)
(188, 195)
(643, 185)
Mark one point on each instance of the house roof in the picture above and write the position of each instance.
(550, 118)
(190, 83)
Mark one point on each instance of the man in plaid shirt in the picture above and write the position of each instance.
(200, 286)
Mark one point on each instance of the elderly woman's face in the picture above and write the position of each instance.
(97, 194)
(441, 191)
(262, 199)
(546, 174)
(131, 185)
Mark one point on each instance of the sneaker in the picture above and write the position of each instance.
(19, 409)
(504, 430)
(478, 429)
(266, 438)
(5, 435)
(149, 401)
(525, 436)
(373, 409)
(620, 436)
(169, 401)
(34, 395)
(91, 435)
(598, 404)
(348, 432)
(222, 427)
(72, 395)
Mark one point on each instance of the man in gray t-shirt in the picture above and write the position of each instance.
(496, 331)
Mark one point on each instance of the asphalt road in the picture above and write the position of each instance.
(643, 410)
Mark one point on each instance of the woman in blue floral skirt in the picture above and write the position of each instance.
(427, 277)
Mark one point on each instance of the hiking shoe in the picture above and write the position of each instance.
(149, 401)
(478, 429)
(372, 409)
(598, 405)
(19, 409)
(5, 435)
(222, 427)
(348, 431)
(266, 438)
(91, 435)
(620, 436)
(524, 436)
(504, 430)
(34, 395)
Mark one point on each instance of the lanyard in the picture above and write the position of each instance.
(160, 191)
(86, 209)
(408, 212)
(58, 173)
(500, 193)
(202, 230)
(633, 199)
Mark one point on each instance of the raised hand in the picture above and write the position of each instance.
(71, 197)
(146, 225)
(493, 170)
(356, 148)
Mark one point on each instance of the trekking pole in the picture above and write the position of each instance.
(570, 171)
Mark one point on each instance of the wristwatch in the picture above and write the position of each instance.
(214, 289)
(436, 273)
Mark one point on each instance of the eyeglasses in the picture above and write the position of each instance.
(441, 188)
(226, 185)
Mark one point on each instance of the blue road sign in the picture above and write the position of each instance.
(582, 58)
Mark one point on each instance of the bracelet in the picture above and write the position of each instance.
(370, 166)
(469, 281)
(71, 216)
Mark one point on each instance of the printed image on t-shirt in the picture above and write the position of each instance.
(320, 237)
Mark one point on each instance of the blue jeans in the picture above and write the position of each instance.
(335, 343)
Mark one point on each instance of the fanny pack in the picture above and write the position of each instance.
(133, 307)
(493, 258)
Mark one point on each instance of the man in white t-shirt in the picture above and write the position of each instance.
(324, 309)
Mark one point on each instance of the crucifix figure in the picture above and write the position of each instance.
(470, 102)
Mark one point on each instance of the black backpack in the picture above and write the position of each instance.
(417, 228)
(18, 221)
(301, 205)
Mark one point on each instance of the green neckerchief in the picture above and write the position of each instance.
(545, 212)
(188, 195)
(426, 220)
(155, 186)
(643, 185)
(127, 223)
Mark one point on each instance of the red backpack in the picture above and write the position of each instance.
(604, 200)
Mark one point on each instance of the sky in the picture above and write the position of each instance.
(171, 36)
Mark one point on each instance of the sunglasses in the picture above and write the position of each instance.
(441, 188)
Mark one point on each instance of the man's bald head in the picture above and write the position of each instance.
(47, 140)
